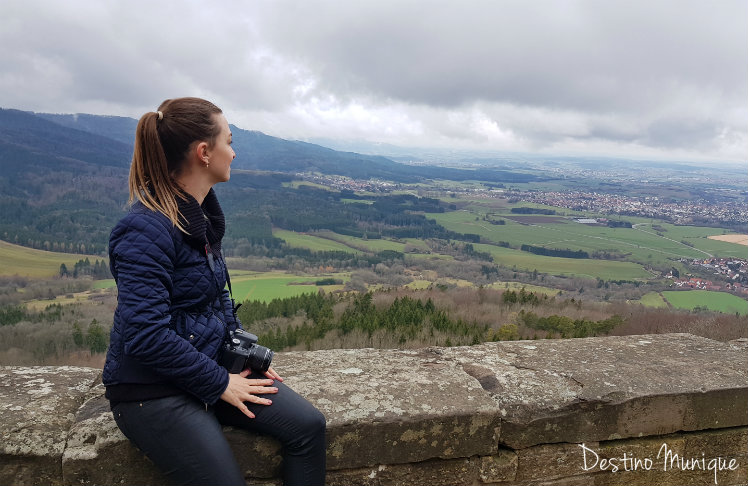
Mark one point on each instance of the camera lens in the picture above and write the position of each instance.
(259, 357)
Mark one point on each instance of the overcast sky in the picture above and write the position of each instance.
(621, 78)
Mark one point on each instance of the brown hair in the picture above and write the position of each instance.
(162, 141)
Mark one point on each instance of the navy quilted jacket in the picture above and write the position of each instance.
(173, 312)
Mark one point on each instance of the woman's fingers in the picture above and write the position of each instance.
(258, 400)
(271, 373)
(259, 382)
(243, 408)
(241, 390)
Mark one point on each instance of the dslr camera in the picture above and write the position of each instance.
(241, 351)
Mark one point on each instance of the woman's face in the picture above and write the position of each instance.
(221, 154)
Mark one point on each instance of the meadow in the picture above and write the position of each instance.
(370, 245)
(570, 267)
(653, 299)
(311, 242)
(642, 243)
(275, 285)
(706, 299)
(28, 262)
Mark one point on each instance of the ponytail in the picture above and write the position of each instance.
(162, 140)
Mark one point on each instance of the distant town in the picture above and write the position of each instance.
(681, 212)
(698, 211)
(733, 272)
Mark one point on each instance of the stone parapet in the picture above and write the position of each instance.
(552, 412)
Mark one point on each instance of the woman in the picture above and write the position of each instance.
(168, 394)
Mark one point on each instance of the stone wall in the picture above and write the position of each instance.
(594, 411)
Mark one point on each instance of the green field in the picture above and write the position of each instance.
(641, 244)
(310, 242)
(604, 269)
(271, 285)
(28, 262)
(297, 184)
(329, 241)
(653, 299)
(373, 245)
(716, 301)
(356, 201)
(104, 284)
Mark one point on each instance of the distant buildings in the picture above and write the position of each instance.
(733, 270)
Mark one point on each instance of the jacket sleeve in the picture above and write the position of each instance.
(144, 254)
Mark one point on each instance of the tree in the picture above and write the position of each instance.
(77, 335)
(507, 332)
(96, 338)
(63, 270)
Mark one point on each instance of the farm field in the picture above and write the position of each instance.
(84, 297)
(104, 284)
(28, 262)
(330, 241)
(310, 242)
(272, 285)
(732, 238)
(642, 244)
(372, 245)
(716, 301)
(653, 299)
(604, 269)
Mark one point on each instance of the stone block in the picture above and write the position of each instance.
(394, 406)
(497, 414)
(594, 389)
(37, 409)
(640, 461)
(497, 469)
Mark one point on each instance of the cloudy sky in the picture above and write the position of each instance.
(653, 78)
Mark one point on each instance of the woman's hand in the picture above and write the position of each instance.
(241, 390)
(271, 373)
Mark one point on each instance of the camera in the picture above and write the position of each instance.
(241, 351)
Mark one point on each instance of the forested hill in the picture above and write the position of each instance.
(60, 188)
(63, 181)
(258, 151)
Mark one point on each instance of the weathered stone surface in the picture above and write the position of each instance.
(390, 406)
(494, 414)
(450, 472)
(636, 461)
(37, 408)
(593, 389)
(259, 456)
(98, 453)
(499, 468)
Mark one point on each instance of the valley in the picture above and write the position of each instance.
(624, 250)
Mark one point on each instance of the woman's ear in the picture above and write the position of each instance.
(201, 151)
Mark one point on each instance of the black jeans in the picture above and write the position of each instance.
(186, 442)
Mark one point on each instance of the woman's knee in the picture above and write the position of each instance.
(317, 422)
(311, 427)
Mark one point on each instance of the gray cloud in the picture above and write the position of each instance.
(666, 77)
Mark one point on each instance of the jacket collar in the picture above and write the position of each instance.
(205, 224)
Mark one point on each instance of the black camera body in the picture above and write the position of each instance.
(241, 351)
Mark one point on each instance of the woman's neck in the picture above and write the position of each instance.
(196, 187)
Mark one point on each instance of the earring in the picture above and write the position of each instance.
(207, 162)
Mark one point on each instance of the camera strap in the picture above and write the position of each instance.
(234, 305)
(211, 263)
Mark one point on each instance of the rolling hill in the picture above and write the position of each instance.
(63, 177)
